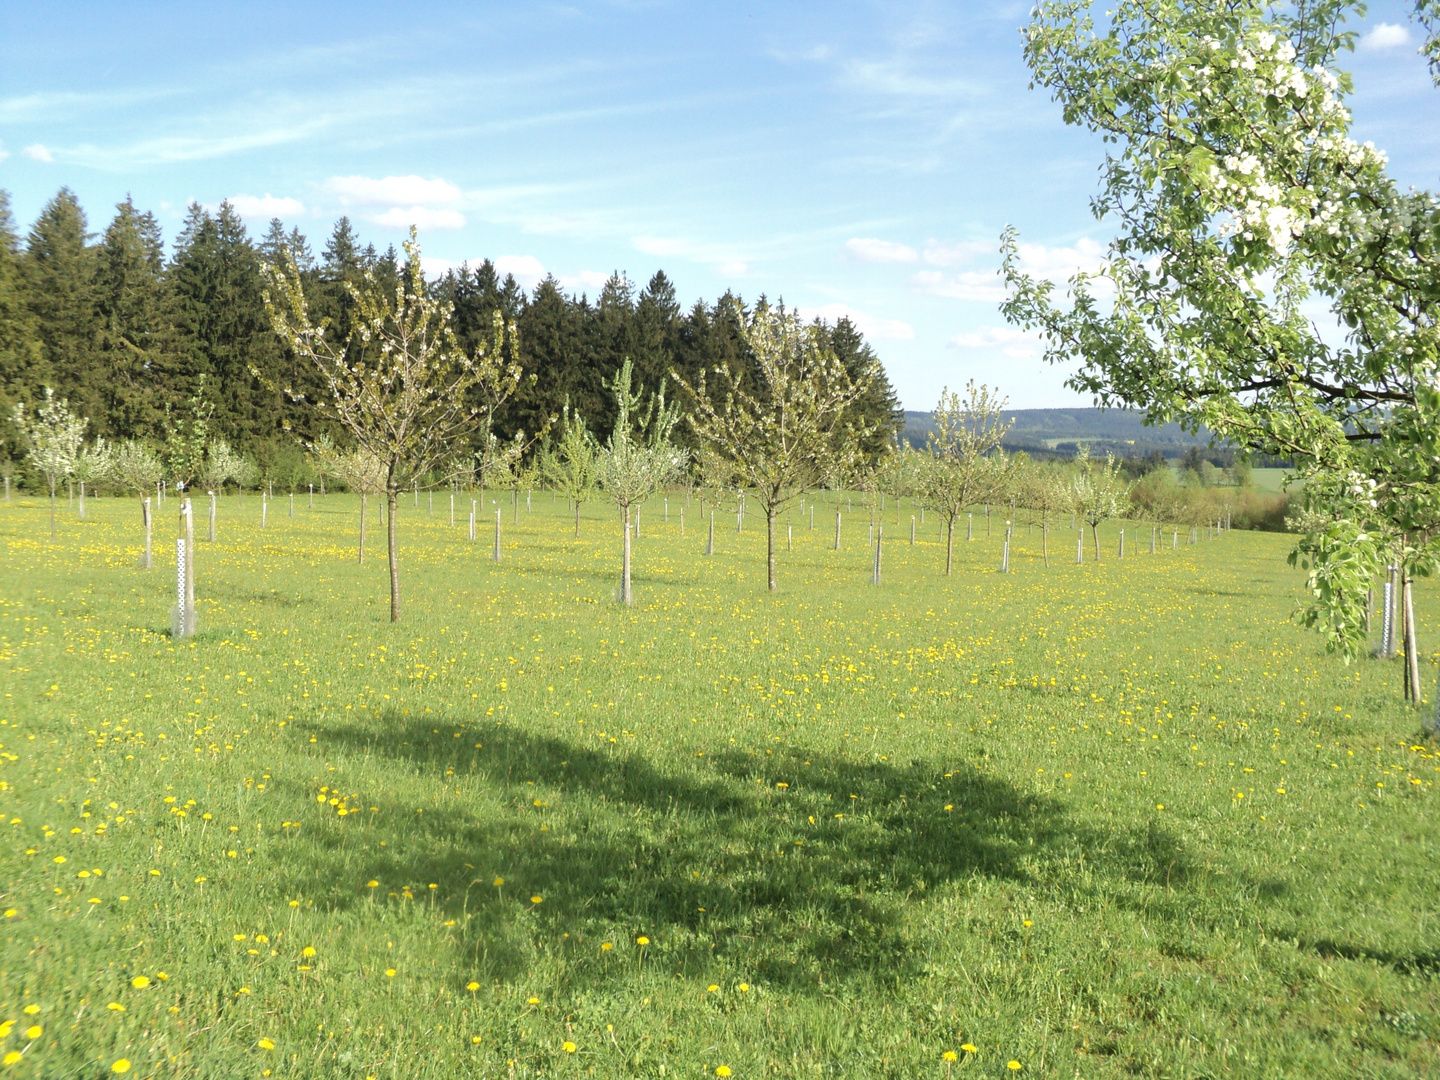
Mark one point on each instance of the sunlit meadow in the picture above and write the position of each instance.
(1117, 819)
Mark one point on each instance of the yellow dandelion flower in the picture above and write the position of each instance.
(265, 1044)
(722, 1070)
(120, 1065)
(139, 982)
(34, 1031)
(537, 899)
(60, 859)
(389, 973)
(12, 1057)
(607, 946)
(949, 1055)
(308, 951)
(31, 1010)
(969, 1048)
(115, 1006)
(499, 881)
(532, 1001)
(642, 940)
(568, 1047)
(5, 1028)
(472, 986)
(1013, 1065)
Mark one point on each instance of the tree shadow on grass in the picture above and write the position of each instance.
(803, 869)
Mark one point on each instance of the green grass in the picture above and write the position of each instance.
(1271, 479)
(859, 827)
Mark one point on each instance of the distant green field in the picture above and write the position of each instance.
(1270, 479)
(1106, 820)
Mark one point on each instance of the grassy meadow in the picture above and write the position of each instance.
(1109, 820)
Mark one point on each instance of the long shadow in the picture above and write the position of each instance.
(802, 868)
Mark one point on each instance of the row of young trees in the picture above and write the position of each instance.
(1239, 200)
(130, 334)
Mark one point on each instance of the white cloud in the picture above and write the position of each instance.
(37, 152)
(1057, 264)
(422, 217)
(1012, 342)
(400, 201)
(1386, 36)
(586, 281)
(267, 206)
(938, 254)
(876, 329)
(661, 245)
(528, 270)
(723, 260)
(392, 191)
(867, 249)
(3, 152)
(984, 286)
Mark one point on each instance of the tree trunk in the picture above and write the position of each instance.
(390, 502)
(1045, 537)
(52, 511)
(949, 543)
(625, 562)
(577, 519)
(362, 528)
(1095, 532)
(770, 544)
(1412, 650)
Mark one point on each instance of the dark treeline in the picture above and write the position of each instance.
(128, 332)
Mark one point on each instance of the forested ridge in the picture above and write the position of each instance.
(130, 333)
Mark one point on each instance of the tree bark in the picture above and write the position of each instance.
(577, 519)
(1045, 537)
(770, 544)
(1095, 532)
(390, 501)
(52, 511)
(949, 543)
(362, 528)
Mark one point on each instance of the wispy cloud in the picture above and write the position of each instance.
(1010, 341)
(584, 281)
(38, 152)
(725, 260)
(868, 249)
(873, 327)
(400, 201)
(180, 149)
(267, 206)
(1057, 264)
(1386, 36)
(392, 191)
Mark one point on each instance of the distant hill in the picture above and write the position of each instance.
(1061, 431)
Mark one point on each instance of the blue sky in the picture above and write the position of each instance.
(850, 158)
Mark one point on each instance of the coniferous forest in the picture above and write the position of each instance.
(133, 332)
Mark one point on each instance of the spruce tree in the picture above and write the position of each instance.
(59, 276)
(22, 369)
(132, 331)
